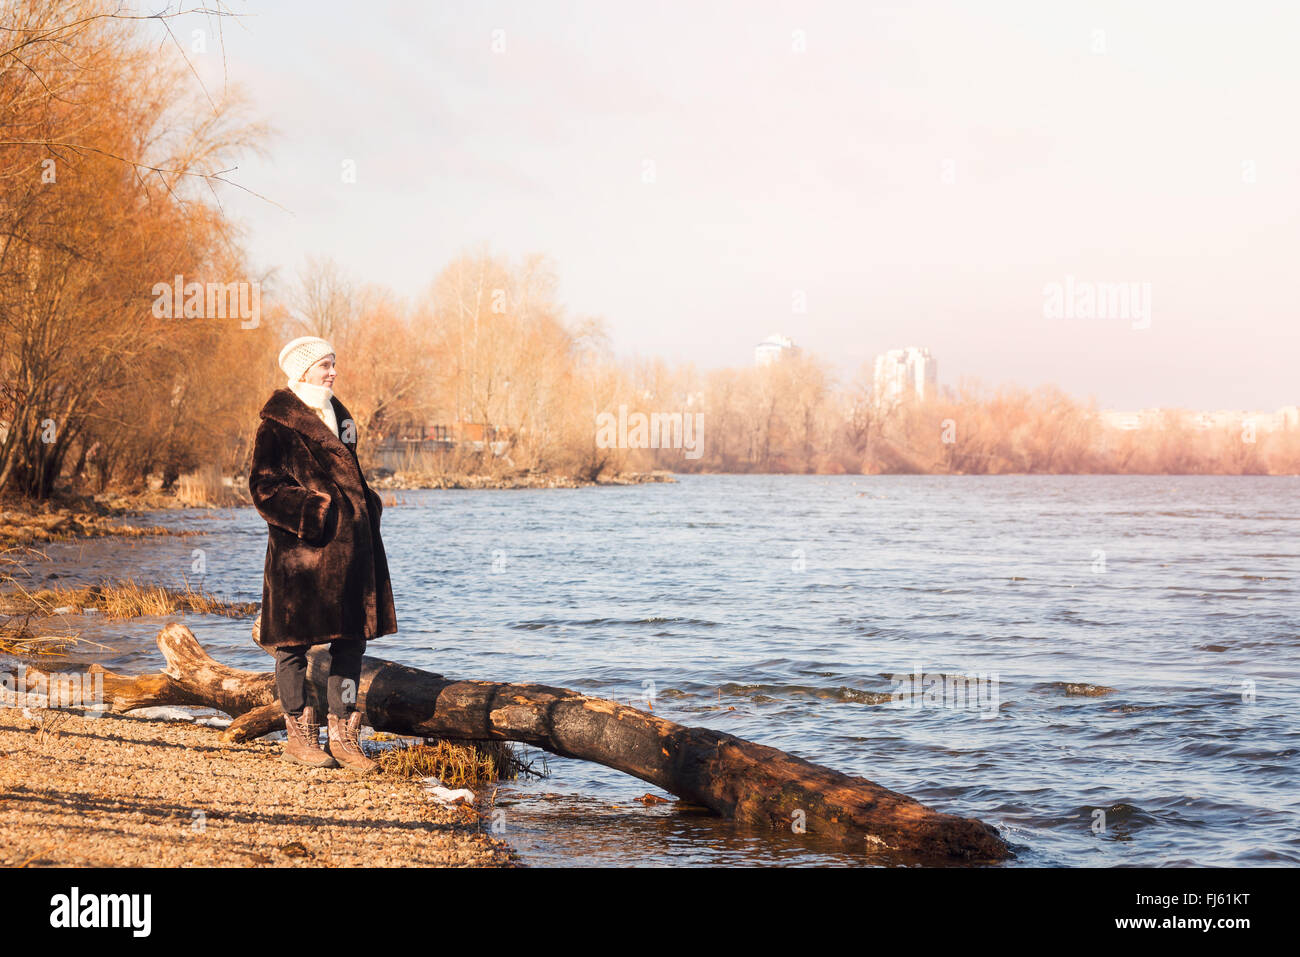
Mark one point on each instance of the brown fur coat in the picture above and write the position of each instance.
(326, 575)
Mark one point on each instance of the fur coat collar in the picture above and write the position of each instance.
(290, 411)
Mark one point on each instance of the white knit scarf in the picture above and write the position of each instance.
(317, 398)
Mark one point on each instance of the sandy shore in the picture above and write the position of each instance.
(125, 791)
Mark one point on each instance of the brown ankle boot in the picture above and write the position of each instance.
(345, 742)
(303, 743)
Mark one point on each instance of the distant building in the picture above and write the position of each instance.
(903, 374)
(1123, 421)
(399, 441)
(774, 348)
(1130, 421)
(1287, 417)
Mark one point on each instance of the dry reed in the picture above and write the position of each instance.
(458, 764)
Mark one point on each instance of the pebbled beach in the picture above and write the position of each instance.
(129, 791)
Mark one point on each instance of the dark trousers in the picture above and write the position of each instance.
(342, 686)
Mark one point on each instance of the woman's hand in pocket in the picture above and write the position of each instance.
(317, 513)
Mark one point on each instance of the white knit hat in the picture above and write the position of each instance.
(303, 353)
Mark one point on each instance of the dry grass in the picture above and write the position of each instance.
(458, 764)
(206, 487)
(17, 612)
(23, 528)
(23, 613)
(122, 599)
(18, 640)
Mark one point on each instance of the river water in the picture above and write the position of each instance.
(782, 609)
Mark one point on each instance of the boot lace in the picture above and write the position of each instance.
(349, 736)
(300, 728)
(311, 732)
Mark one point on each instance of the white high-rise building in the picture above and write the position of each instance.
(774, 347)
(902, 374)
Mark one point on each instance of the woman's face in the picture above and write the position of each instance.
(322, 373)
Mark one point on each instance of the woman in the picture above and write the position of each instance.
(326, 578)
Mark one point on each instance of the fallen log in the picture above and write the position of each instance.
(735, 778)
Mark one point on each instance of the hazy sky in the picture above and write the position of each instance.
(918, 172)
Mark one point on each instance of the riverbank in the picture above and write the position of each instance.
(67, 516)
(30, 525)
(412, 480)
(126, 791)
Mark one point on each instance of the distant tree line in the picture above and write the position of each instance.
(112, 165)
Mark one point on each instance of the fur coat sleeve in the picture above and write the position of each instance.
(279, 497)
(326, 573)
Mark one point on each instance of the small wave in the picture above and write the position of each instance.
(1072, 617)
(1206, 513)
(1139, 708)
(774, 692)
(1265, 856)
(1076, 689)
(674, 693)
(1119, 819)
(538, 624)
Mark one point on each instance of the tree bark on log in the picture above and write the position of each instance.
(735, 778)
